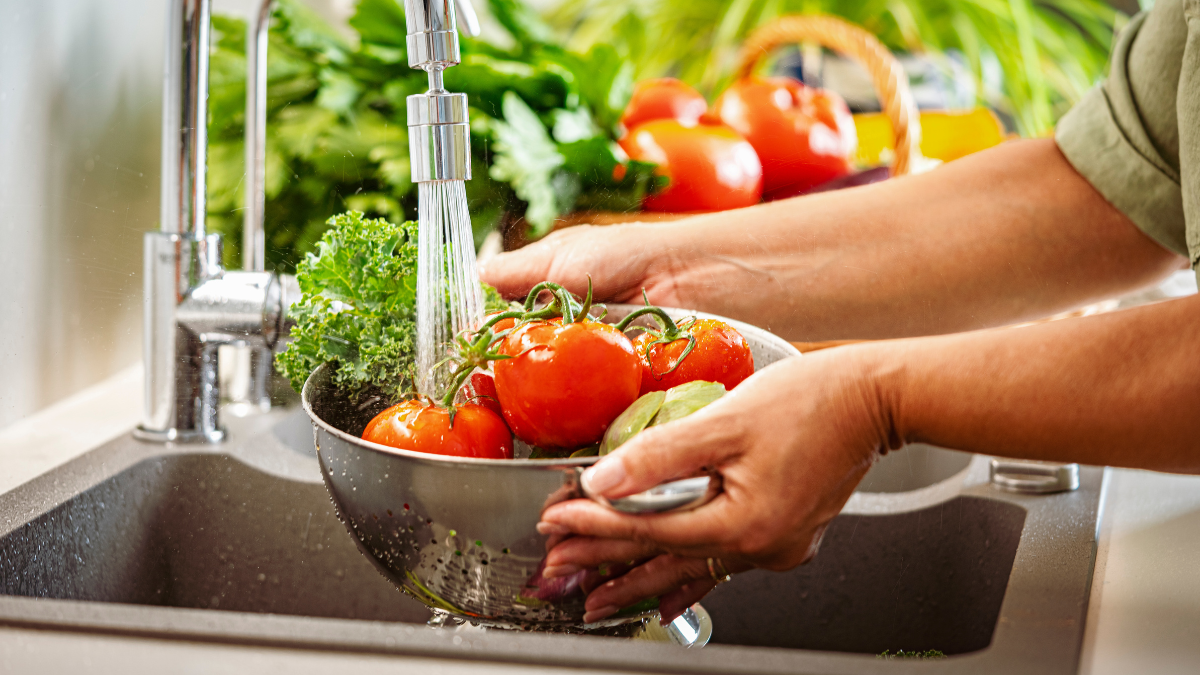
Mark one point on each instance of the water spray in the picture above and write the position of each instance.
(449, 299)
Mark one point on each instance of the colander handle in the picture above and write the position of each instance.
(680, 495)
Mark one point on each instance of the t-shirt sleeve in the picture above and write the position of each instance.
(1123, 136)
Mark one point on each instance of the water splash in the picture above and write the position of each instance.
(449, 298)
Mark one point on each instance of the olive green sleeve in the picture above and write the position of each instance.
(1188, 108)
(1123, 137)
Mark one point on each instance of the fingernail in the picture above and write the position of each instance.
(552, 528)
(600, 614)
(605, 476)
(560, 571)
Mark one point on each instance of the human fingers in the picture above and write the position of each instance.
(616, 258)
(580, 553)
(690, 532)
(672, 604)
(649, 580)
(660, 454)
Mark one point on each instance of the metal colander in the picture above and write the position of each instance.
(459, 534)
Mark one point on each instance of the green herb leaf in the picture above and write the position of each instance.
(527, 158)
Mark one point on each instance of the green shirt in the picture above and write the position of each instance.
(1136, 137)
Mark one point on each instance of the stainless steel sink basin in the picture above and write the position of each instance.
(239, 543)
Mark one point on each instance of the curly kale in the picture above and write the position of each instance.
(358, 307)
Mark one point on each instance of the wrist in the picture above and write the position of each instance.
(883, 373)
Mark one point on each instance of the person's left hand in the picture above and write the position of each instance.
(791, 443)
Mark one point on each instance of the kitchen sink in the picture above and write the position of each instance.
(239, 542)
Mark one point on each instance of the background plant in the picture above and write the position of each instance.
(1031, 60)
(543, 126)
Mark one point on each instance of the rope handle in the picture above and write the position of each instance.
(888, 76)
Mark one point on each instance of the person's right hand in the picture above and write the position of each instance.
(790, 443)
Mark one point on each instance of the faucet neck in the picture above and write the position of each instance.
(185, 118)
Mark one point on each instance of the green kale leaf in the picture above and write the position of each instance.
(357, 307)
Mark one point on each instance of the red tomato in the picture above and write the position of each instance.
(720, 355)
(413, 425)
(503, 324)
(711, 167)
(803, 135)
(664, 98)
(484, 392)
(565, 383)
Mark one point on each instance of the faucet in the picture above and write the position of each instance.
(192, 305)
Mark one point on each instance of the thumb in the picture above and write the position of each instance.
(707, 438)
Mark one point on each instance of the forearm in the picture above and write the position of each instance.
(1121, 389)
(1009, 234)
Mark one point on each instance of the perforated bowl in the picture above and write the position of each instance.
(459, 534)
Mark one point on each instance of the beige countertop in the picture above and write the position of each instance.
(1144, 613)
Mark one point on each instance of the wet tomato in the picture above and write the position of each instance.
(720, 355)
(414, 425)
(483, 392)
(710, 167)
(566, 382)
(664, 98)
(804, 136)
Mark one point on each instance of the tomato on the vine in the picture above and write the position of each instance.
(565, 381)
(710, 167)
(664, 98)
(720, 354)
(423, 427)
(804, 136)
(483, 388)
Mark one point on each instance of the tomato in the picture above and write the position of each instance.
(720, 355)
(483, 389)
(414, 425)
(710, 167)
(804, 136)
(664, 98)
(566, 382)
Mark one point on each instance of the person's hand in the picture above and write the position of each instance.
(791, 443)
(621, 260)
(698, 263)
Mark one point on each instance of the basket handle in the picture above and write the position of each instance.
(888, 76)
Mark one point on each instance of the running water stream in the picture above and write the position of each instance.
(449, 297)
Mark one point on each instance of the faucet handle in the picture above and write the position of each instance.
(466, 12)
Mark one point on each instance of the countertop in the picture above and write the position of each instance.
(1143, 616)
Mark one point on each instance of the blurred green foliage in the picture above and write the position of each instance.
(337, 136)
(1031, 59)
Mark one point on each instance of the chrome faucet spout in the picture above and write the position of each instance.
(192, 304)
